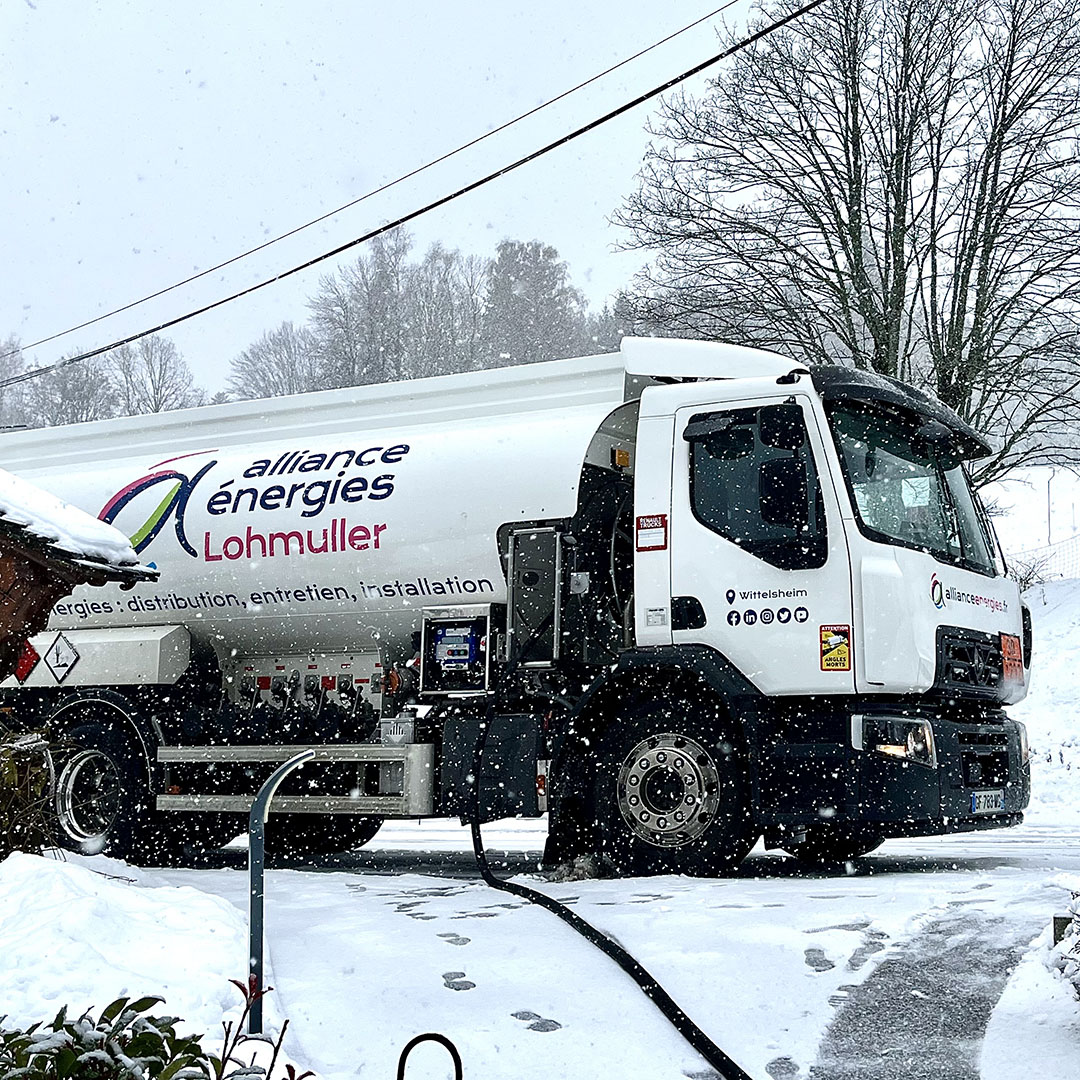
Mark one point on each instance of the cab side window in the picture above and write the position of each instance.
(753, 481)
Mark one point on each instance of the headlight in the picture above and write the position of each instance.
(1025, 749)
(896, 736)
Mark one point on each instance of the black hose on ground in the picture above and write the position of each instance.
(682, 1023)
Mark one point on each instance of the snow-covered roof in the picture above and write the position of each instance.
(60, 533)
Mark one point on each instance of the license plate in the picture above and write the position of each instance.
(987, 802)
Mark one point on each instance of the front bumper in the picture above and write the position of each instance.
(979, 763)
(856, 780)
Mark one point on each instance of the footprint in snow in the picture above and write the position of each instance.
(455, 980)
(782, 1068)
(538, 1022)
(874, 943)
(455, 939)
(816, 959)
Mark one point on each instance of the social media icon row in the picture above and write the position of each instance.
(750, 616)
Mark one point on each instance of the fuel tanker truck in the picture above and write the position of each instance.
(678, 598)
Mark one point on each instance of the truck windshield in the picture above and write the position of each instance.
(908, 491)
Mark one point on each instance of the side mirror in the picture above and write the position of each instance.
(784, 493)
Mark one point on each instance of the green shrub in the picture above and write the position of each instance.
(121, 1043)
(124, 1044)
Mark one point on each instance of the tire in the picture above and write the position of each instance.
(671, 798)
(99, 791)
(295, 837)
(104, 806)
(826, 844)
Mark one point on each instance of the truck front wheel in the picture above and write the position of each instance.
(670, 796)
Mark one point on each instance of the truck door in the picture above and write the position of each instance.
(758, 557)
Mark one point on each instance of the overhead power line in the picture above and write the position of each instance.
(436, 204)
(376, 191)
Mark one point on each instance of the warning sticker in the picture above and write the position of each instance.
(835, 648)
(28, 660)
(652, 532)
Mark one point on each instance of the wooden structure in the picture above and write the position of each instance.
(37, 570)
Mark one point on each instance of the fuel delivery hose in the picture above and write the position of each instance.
(682, 1023)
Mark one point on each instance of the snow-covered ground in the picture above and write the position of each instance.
(776, 965)
(362, 962)
(1051, 710)
(1027, 522)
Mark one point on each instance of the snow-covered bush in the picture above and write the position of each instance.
(120, 1043)
(1065, 956)
(25, 793)
(124, 1044)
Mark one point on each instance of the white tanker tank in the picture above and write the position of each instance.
(319, 522)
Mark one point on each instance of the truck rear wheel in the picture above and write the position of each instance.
(292, 837)
(96, 785)
(671, 799)
(104, 805)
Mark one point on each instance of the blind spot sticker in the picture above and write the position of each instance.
(835, 648)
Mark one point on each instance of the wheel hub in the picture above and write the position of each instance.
(668, 790)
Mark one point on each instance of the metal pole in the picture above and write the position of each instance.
(1048, 479)
(260, 811)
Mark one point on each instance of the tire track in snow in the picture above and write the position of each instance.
(922, 1013)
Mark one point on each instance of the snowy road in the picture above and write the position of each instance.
(891, 970)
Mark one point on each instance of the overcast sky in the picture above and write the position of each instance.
(143, 141)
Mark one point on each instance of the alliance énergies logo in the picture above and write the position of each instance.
(300, 488)
(177, 487)
(937, 592)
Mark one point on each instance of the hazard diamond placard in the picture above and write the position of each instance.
(28, 660)
(60, 657)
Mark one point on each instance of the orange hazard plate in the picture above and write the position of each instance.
(1012, 658)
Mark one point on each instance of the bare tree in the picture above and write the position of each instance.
(388, 317)
(891, 184)
(444, 306)
(151, 376)
(357, 315)
(283, 361)
(73, 394)
(11, 363)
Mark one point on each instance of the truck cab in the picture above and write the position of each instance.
(811, 540)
